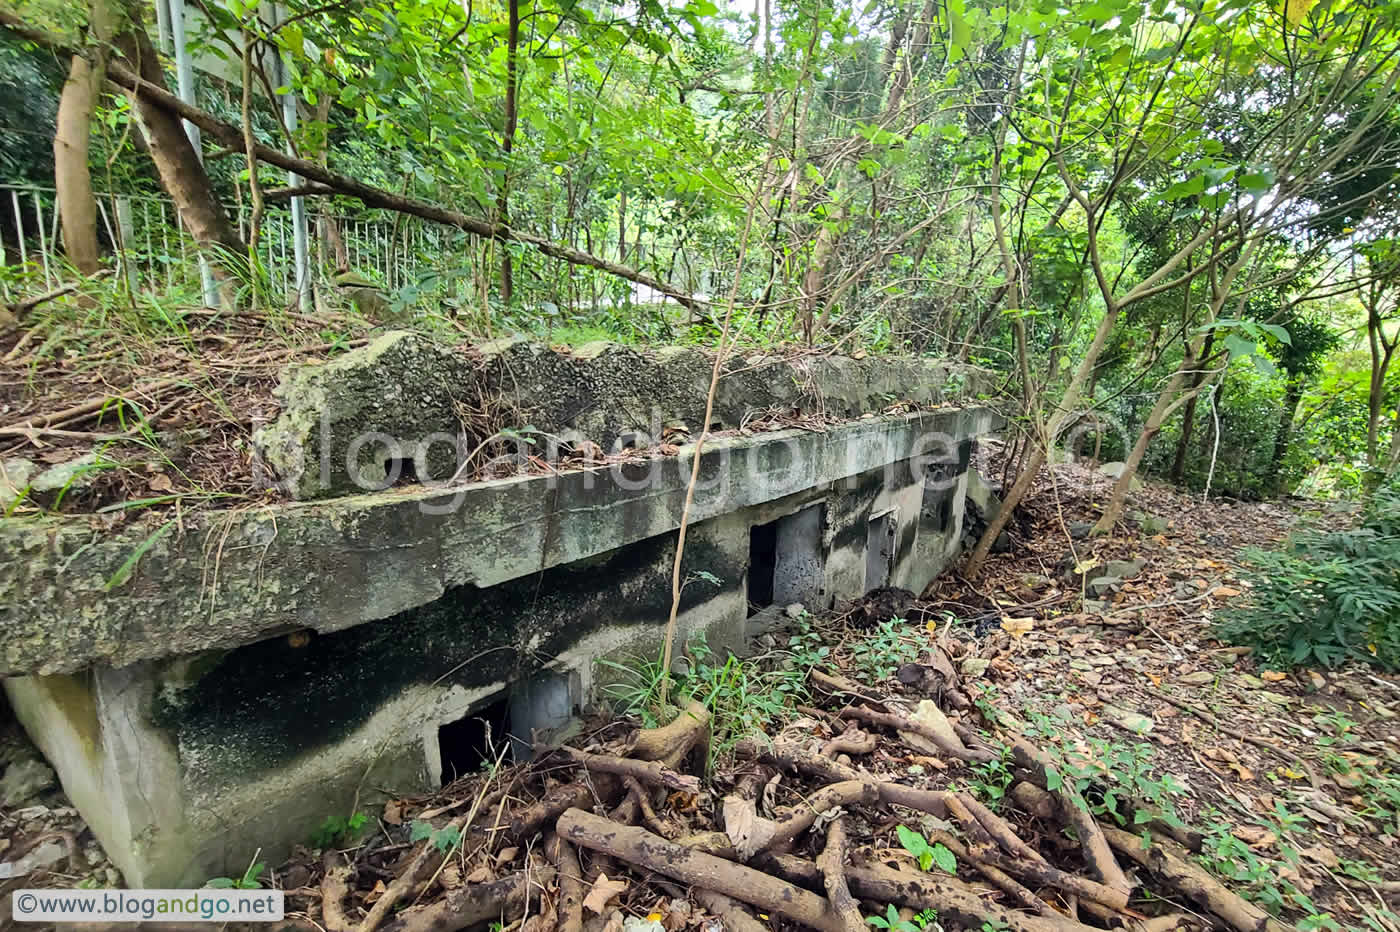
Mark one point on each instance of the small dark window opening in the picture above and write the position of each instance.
(466, 744)
(399, 471)
(763, 563)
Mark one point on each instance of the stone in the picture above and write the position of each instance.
(795, 610)
(974, 667)
(15, 475)
(1101, 586)
(1125, 569)
(46, 856)
(1197, 678)
(24, 779)
(1115, 470)
(74, 475)
(1080, 530)
(1150, 525)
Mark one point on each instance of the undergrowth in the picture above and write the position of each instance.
(742, 696)
(1326, 597)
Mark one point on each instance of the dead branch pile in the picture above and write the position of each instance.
(627, 825)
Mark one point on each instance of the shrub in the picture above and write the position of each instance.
(1327, 597)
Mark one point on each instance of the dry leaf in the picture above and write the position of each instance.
(160, 482)
(1273, 676)
(507, 854)
(451, 877)
(376, 893)
(614, 922)
(1016, 627)
(1322, 855)
(480, 875)
(393, 812)
(749, 832)
(1256, 836)
(602, 891)
(1225, 592)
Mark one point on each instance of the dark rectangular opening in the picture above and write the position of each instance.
(474, 740)
(879, 550)
(763, 563)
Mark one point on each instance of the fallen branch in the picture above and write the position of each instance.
(650, 771)
(571, 887)
(730, 911)
(1076, 812)
(832, 863)
(474, 903)
(786, 755)
(851, 741)
(1176, 868)
(995, 875)
(846, 793)
(952, 898)
(645, 849)
(941, 734)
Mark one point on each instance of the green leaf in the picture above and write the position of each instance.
(128, 566)
(420, 830)
(220, 883)
(945, 859)
(1053, 780)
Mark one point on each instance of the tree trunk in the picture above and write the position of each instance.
(1292, 395)
(77, 207)
(508, 142)
(181, 173)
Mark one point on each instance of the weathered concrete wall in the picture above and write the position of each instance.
(233, 744)
(231, 578)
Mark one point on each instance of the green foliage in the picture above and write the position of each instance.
(891, 922)
(881, 652)
(1326, 597)
(743, 696)
(249, 880)
(443, 839)
(926, 854)
(338, 829)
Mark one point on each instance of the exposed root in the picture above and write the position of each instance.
(832, 863)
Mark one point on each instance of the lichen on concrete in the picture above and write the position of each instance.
(404, 389)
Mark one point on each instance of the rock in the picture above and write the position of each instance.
(795, 610)
(1133, 721)
(23, 780)
(1114, 470)
(43, 857)
(974, 667)
(1080, 530)
(1125, 569)
(71, 476)
(15, 475)
(1150, 525)
(1197, 678)
(1101, 586)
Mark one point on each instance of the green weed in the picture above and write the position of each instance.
(885, 650)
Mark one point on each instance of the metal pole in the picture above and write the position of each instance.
(126, 227)
(19, 229)
(301, 255)
(184, 76)
(43, 240)
(163, 25)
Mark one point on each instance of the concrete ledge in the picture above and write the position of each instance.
(232, 578)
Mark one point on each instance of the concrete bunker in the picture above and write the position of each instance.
(367, 643)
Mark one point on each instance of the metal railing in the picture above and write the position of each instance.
(144, 238)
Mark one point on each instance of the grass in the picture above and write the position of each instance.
(742, 696)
